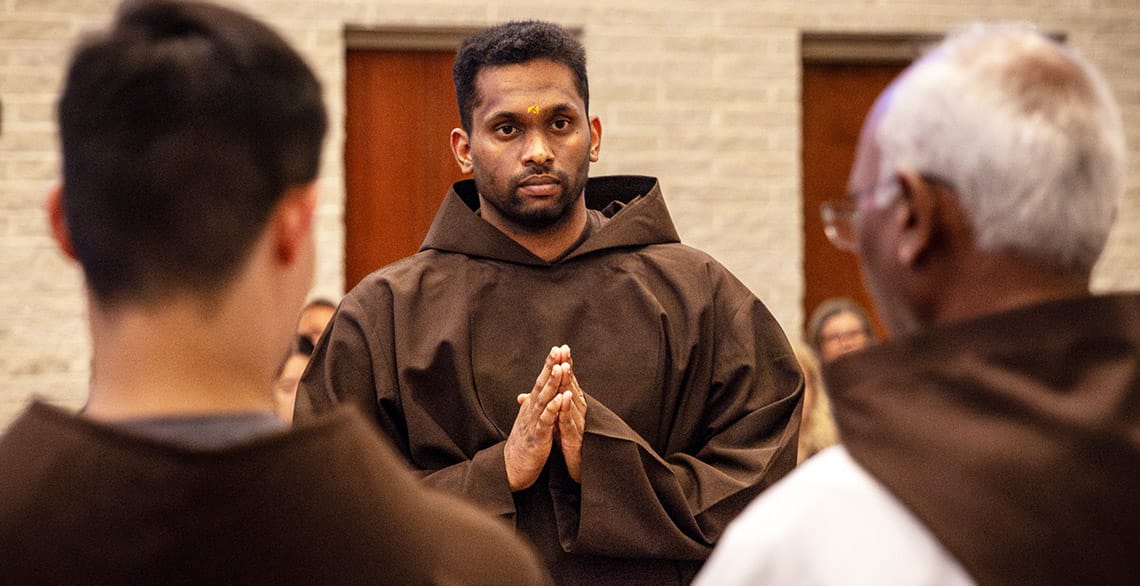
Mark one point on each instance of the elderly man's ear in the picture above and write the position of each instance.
(917, 215)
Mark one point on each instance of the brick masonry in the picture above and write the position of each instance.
(702, 94)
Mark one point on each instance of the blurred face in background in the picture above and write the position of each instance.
(285, 391)
(311, 324)
(841, 334)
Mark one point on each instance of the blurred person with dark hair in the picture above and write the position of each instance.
(191, 139)
(995, 439)
(315, 315)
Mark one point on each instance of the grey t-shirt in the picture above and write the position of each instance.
(205, 431)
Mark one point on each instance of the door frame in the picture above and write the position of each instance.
(844, 49)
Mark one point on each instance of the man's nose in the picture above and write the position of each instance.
(537, 150)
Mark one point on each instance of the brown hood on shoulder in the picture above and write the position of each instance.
(1014, 437)
(634, 204)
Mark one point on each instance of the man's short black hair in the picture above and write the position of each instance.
(509, 44)
(181, 126)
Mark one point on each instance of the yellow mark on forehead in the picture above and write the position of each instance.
(533, 109)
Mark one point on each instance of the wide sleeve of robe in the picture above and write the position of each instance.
(353, 363)
(635, 501)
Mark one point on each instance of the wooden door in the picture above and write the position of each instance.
(399, 112)
(836, 99)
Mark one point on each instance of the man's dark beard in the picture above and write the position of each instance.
(541, 218)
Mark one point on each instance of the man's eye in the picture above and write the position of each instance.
(561, 124)
(506, 130)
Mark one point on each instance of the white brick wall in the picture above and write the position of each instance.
(703, 94)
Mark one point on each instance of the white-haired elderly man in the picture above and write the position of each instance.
(995, 438)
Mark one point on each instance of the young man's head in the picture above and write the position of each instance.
(182, 127)
(996, 160)
(527, 135)
(513, 43)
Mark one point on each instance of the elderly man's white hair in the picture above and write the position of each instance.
(1025, 130)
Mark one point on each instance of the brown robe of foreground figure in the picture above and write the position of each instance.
(325, 503)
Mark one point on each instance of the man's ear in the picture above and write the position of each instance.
(461, 148)
(53, 205)
(595, 138)
(293, 220)
(918, 216)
